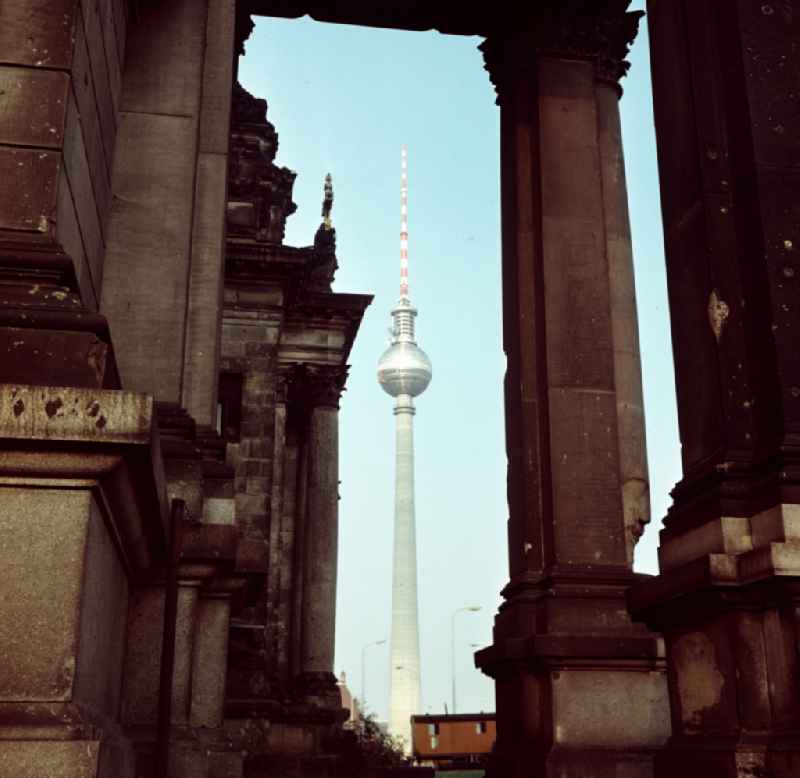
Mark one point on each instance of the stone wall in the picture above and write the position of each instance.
(249, 350)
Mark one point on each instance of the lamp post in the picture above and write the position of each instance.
(363, 672)
(466, 609)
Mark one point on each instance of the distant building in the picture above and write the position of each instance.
(453, 740)
(349, 703)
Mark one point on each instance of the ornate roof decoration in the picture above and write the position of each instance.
(325, 264)
(259, 192)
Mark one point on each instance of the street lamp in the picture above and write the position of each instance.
(363, 673)
(466, 609)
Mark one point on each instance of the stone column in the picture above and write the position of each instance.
(323, 386)
(577, 682)
(725, 92)
(634, 477)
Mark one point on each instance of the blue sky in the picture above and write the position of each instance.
(343, 100)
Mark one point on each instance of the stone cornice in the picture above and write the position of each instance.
(601, 32)
(447, 16)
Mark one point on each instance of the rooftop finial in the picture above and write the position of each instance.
(327, 203)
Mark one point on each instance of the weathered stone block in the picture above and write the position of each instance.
(164, 59)
(35, 173)
(607, 709)
(32, 107)
(37, 758)
(259, 349)
(219, 510)
(28, 35)
(258, 485)
(40, 619)
(209, 663)
(249, 504)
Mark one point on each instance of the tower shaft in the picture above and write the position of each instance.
(405, 669)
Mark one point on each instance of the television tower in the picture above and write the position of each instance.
(404, 371)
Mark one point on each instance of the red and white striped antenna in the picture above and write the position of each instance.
(403, 222)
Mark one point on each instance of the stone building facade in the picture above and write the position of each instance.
(285, 339)
(168, 589)
(173, 563)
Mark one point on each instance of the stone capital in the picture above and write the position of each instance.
(600, 32)
(317, 385)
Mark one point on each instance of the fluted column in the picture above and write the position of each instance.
(405, 669)
(322, 387)
(577, 682)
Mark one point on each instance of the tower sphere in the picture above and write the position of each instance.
(404, 368)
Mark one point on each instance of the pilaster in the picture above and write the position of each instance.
(162, 286)
(570, 666)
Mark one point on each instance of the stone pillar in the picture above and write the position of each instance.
(206, 280)
(323, 386)
(577, 682)
(725, 93)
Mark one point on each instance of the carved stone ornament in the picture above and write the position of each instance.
(317, 386)
(598, 30)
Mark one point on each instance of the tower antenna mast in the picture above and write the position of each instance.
(404, 223)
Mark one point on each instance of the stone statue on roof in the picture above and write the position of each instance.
(327, 202)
